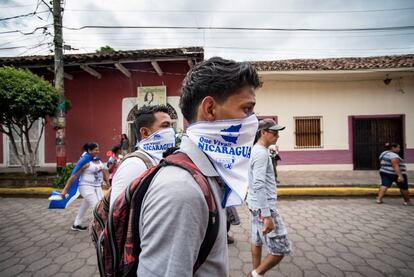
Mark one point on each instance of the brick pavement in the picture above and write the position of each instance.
(331, 237)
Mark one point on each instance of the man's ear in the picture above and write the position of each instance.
(207, 109)
(144, 132)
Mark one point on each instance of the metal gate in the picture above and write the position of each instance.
(369, 137)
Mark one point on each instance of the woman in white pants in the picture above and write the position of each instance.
(91, 176)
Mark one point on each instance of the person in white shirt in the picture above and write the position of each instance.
(92, 174)
(149, 122)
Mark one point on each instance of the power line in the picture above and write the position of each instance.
(311, 49)
(25, 15)
(28, 33)
(19, 40)
(23, 46)
(392, 28)
(224, 35)
(196, 35)
(17, 6)
(22, 15)
(34, 47)
(254, 49)
(285, 53)
(41, 42)
(275, 49)
(46, 4)
(40, 50)
(240, 11)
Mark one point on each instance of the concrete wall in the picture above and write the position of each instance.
(335, 101)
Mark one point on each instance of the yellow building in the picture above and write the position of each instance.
(339, 112)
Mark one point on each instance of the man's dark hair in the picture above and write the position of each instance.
(89, 146)
(144, 117)
(215, 77)
(257, 136)
(116, 148)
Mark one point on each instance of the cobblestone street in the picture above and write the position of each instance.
(331, 237)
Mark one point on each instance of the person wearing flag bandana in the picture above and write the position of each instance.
(155, 135)
(217, 99)
(267, 224)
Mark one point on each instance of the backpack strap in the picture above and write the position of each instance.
(140, 155)
(183, 161)
(100, 221)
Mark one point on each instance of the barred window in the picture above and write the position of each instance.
(308, 132)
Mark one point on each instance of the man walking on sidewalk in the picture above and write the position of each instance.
(267, 224)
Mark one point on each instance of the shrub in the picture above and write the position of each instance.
(63, 176)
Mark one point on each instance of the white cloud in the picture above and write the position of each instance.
(240, 45)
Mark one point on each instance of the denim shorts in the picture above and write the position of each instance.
(276, 241)
(388, 179)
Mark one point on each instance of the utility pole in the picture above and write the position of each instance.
(60, 120)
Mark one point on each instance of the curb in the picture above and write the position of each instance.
(332, 191)
(281, 191)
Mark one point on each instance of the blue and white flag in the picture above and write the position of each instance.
(228, 144)
(158, 143)
(73, 191)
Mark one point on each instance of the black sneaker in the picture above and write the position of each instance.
(78, 228)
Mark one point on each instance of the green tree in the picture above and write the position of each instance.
(25, 99)
(105, 49)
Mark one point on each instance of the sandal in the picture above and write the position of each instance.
(380, 201)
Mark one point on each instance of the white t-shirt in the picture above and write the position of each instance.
(92, 175)
(128, 171)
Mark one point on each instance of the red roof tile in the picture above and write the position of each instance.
(72, 59)
(382, 62)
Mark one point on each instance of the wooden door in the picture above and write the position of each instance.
(369, 137)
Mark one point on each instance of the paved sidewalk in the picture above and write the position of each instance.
(333, 178)
(331, 237)
(297, 178)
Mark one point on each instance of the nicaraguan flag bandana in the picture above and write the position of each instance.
(158, 143)
(228, 144)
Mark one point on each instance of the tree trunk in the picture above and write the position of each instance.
(31, 156)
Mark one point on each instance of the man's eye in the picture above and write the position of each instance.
(247, 109)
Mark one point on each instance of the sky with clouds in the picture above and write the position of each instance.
(394, 21)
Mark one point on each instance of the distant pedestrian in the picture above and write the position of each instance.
(232, 219)
(267, 226)
(124, 144)
(114, 160)
(274, 154)
(91, 174)
(393, 169)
